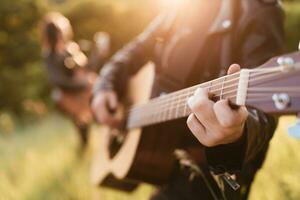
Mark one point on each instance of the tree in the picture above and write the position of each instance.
(21, 76)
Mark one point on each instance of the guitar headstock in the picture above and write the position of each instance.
(274, 87)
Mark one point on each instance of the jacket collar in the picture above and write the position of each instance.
(224, 19)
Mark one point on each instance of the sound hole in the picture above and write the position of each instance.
(116, 141)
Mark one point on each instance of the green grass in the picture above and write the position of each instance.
(279, 178)
(292, 25)
(39, 161)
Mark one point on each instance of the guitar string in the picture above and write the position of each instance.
(149, 120)
(215, 86)
(262, 99)
(188, 93)
(267, 89)
(184, 98)
(252, 71)
(271, 93)
(185, 93)
(180, 92)
(267, 94)
(187, 90)
(249, 96)
(178, 113)
(254, 81)
(178, 102)
(250, 81)
(183, 114)
(265, 79)
(169, 111)
(272, 90)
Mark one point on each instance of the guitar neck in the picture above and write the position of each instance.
(174, 105)
(273, 88)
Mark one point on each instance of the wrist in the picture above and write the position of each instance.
(229, 156)
(239, 134)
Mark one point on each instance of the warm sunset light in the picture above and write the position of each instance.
(170, 3)
(149, 99)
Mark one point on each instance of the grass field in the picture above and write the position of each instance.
(40, 162)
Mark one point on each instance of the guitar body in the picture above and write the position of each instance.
(154, 158)
(142, 155)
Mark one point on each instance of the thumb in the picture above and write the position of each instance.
(233, 69)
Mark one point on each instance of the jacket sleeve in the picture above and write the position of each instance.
(127, 61)
(262, 38)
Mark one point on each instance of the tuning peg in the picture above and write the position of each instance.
(294, 131)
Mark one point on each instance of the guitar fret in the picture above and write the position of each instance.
(157, 115)
(176, 107)
(165, 112)
(170, 110)
(210, 85)
(223, 82)
(185, 107)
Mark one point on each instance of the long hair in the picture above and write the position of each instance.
(56, 29)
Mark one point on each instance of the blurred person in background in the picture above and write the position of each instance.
(194, 43)
(70, 72)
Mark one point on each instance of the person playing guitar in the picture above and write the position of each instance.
(191, 44)
(71, 73)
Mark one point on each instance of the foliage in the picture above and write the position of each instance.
(279, 177)
(41, 161)
(292, 26)
(20, 75)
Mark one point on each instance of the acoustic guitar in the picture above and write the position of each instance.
(143, 150)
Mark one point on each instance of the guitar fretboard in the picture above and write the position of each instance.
(174, 105)
(247, 87)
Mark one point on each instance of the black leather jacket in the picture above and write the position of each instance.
(247, 32)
